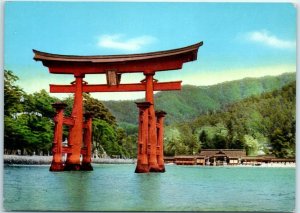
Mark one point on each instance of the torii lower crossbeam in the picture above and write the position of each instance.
(158, 86)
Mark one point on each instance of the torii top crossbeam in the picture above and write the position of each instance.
(146, 62)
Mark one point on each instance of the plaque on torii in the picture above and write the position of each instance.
(150, 136)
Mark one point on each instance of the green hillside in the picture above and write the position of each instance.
(259, 124)
(192, 101)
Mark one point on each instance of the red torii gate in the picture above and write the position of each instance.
(150, 137)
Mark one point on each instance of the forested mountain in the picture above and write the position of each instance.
(192, 101)
(264, 124)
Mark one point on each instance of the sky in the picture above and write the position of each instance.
(240, 39)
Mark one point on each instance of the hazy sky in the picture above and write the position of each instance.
(240, 39)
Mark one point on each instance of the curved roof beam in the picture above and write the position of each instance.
(145, 62)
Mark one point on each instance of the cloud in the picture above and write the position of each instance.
(117, 41)
(264, 37)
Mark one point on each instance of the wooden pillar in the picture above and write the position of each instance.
(87, 142)
(152, 138)
(76, 133)
(160, 115)
(142, 157)
(57, 163)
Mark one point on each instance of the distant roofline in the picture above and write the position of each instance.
(222, 149)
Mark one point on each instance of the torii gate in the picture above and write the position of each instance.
(150, 136)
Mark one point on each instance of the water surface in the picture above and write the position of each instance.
(181, 188)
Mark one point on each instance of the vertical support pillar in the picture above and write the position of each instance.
(57, 163)
(160, 115)
(142, 157)
(152, 138)
(76, 134)
(87, 141)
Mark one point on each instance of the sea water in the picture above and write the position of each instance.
(180, 188)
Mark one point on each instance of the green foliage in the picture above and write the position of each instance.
(220, 142)
(28, 124)
(174, 147)
(26, 118)
(189, 139)
(204, 140)
(113, 141)
(13, 94)
(264, 123)
(40, 102)
(181, 140)
(125, 111)
(98, 110)
(104, 136)
(129, 128)
(283, 143)
(251, 145)
(128, 142)
(28, 132)
(107, 136)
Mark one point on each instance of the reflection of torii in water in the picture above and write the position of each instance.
(150, 139)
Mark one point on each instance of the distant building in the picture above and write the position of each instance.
(258, 160)
(185, 160)
(214, 157)
(218, 157)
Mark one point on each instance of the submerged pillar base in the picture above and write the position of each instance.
(86, 167)
(56, 167)
(72, 167)
(142, 168)
(154, 168)
(162, 169)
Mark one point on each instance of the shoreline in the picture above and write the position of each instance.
(46, 160)
(265, 165)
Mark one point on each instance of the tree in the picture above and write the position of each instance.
(28, 132)
(205, 142)
(13, 94)
(105, 137)
(220, 142)
(283, 143)
(188, 139)
(41, 103)
(237, 143)
(27, 123)
(129, 144)
(251, 145)
(16, 133)
(175, 147)
(98, 110)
